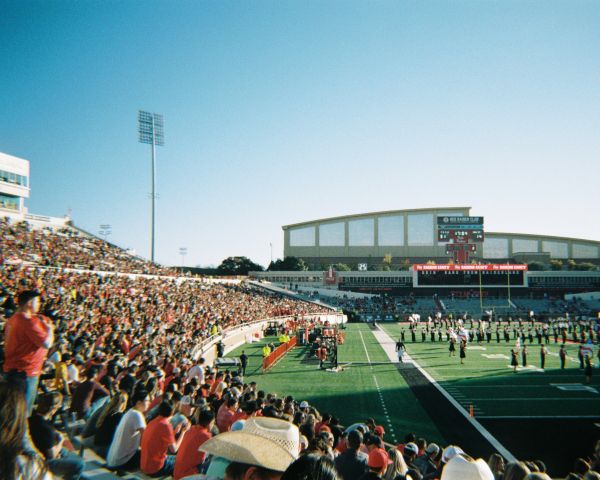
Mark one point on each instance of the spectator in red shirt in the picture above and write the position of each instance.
(227, 414)
(28, 336)
(189, 458)
(158, 440)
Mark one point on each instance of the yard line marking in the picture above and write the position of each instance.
(546, 385)
(534, 417)
(385, 412)
(386, 343)
(574, 387)
(365, 347)
(527, 399)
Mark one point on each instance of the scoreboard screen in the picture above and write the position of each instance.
(461, 229)
(470, 275)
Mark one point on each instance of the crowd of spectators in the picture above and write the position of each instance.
(68, 247)
(208, 424)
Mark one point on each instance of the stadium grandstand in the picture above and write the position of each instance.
(430, 264)
(117, 367)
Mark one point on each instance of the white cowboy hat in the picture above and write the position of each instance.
(459, 468)
(265, 442)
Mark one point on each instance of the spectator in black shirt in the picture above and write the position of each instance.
(49, 441)
(352, 463)
(107, 423)
(84, 394)
(244, 362)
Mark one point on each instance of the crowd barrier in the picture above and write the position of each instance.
(278, 353)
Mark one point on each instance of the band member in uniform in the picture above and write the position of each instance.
(543, 353)
(513, 359)
(588, 370)
(463, 353)
(524, 355)
(452, 347)
(562, 355)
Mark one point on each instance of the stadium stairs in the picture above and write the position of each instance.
(95, 466)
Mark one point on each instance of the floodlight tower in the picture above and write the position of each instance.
(183, 253)
(105, 231)
(151, 131)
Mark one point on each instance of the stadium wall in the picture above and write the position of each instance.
(411, 235)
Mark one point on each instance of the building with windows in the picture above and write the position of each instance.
(14, 184)
(410, 236)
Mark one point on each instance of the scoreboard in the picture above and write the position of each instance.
(490, 275)
(460, 229)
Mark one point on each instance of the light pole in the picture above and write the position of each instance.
(105, 231)
(151, 131)
(271, 245)
(183, 253)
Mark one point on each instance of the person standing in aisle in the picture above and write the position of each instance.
(28, 336)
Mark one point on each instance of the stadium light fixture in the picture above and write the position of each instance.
(183, 253)
(151, 131)
(105, 231)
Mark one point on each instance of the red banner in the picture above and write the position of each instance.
(492, 267)
(278, 353)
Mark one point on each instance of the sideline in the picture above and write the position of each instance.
(388, 345)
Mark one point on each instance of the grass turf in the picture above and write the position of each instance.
(369, 385)
(487, 381)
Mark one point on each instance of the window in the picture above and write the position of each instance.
(302, 237)
(331, 235)
(585, 251)
(8, 202)
(556, 249)
(361, 233)
(10, 177)
(521, 245)
(391, 231)
(495, 248)
(420, 229)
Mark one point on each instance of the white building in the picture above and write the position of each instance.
(14, 184)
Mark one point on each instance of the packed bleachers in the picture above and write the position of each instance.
(67, 247)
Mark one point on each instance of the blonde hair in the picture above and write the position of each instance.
(116, 404)
(398, 465)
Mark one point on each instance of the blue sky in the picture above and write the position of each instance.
(278, 112)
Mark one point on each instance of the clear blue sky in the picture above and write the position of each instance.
(281, 111)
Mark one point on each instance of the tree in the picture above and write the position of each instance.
(341, 267)
(293, 264)
(535, 266)
(585, 266)
(386, 266)
(405, 265)
(238, 266)
(556, 264)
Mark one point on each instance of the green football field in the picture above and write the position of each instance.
(487, 381)
(371, 386)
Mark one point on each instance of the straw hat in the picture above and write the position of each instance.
(265, 442)
(459, 468)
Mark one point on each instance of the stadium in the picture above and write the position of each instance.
(323, 352)
(412, 235)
